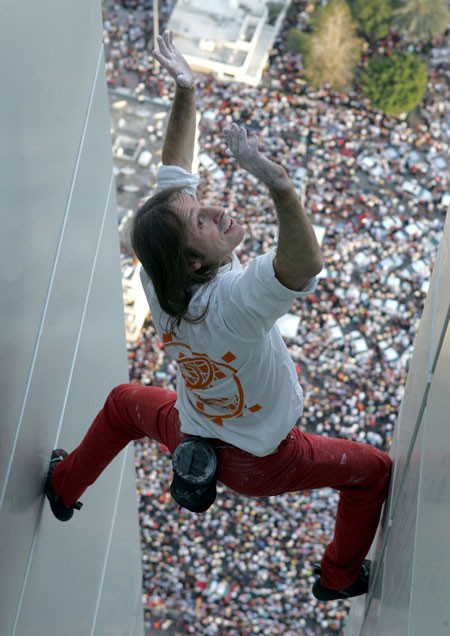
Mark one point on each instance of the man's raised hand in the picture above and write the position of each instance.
(239, 146)
(173, 61)
(246, 151)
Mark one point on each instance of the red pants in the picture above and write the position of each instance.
(302, 462)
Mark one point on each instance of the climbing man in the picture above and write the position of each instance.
(237, 386)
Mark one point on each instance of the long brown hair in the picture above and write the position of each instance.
(159, 239)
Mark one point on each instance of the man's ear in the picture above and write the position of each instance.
(195, 264)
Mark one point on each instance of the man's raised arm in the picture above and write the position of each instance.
(298, 257)
(179, 141)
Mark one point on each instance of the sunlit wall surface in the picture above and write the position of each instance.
(62, 339)
(410, 590)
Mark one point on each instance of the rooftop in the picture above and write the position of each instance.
(232, 39)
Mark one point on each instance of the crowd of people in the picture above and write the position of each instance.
(242, 568)
(375, 187)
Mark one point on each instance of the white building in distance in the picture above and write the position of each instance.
(230, 38)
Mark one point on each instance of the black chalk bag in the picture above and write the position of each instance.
(194, 475)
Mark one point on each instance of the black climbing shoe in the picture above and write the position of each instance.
(360, 586)
(61, 512)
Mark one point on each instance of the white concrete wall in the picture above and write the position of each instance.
(411, 583)
(62, 338)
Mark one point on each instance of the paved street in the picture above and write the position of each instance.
(137, 130)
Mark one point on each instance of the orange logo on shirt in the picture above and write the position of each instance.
(200, 372)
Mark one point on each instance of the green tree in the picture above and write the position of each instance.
(395, 84)
(297, 42)
(333, 49)
(374, 17)
(421, 19)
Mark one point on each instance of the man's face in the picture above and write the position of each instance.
(211, 231)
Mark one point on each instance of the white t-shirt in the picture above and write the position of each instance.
(236, 379)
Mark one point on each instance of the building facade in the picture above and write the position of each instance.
(62, 340)
(411, 559)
